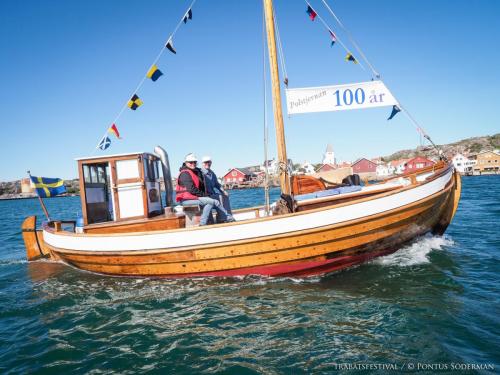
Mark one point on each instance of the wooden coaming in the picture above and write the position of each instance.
(140, 225)
(306, 184)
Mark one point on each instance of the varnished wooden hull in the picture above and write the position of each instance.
(304, 252)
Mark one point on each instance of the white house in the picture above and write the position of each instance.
(272, 167)
(308, 168)
(384, 170)
(398, 166)
(463, 164)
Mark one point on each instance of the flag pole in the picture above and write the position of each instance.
(41, 201)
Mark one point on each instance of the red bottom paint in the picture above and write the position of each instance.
(307, 268)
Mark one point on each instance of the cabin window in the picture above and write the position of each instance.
(151, 170)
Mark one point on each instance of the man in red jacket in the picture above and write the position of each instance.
(191, 190)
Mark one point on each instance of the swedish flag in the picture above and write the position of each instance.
(48, 187)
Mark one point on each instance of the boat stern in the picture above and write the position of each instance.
(32, 239)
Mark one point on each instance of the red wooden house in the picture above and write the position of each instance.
(417, 163)
(236, 176)
(326, 168)
(364, 166)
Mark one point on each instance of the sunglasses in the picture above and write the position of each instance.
(191, 162)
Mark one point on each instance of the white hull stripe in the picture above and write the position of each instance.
(251, 230)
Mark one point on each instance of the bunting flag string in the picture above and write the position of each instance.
(154, 73)
(395, 109)
(313, 14)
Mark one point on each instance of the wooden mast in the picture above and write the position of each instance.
(278, 114)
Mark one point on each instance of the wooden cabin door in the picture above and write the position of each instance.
(98, 198)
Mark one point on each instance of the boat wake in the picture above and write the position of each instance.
(415, 253)
(8, 262)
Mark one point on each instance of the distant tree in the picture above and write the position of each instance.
(495, 140)
(475, 148)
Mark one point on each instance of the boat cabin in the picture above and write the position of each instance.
(120, 187)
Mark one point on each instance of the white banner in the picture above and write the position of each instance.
(338, 98)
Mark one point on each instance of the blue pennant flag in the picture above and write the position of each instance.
(48, 187)
(105, 143)
(395, 111)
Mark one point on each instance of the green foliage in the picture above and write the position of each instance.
(495, 140)
(475, 148)
(72, 190)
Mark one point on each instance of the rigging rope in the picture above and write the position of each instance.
(351, 39)
(336, 36)
(280, 49)
(144, 76)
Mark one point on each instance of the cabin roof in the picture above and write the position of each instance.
(112, 156)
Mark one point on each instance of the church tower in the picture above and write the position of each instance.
(329, 156)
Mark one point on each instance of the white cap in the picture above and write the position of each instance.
(190, 157)
(206, 158)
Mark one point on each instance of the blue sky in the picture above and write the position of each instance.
(67, 67)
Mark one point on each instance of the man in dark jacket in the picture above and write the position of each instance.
(191, 190)
(212, 185)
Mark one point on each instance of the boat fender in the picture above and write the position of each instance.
(352, 180)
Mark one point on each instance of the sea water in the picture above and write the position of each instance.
(432, 306)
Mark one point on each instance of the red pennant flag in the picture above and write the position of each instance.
(114, 130)
(311, 12)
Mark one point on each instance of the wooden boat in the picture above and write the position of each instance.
(128, 231)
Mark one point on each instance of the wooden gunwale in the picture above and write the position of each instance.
(311, 231)
(377, 196)
(125, 222)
